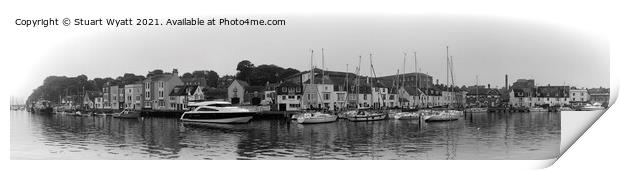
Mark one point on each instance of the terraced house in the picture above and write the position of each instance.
(134, 96)
(157, 88)
(540, 96)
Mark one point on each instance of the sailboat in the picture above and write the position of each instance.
(476, 109)
(367, 114)
(448, 114)
(316, 116)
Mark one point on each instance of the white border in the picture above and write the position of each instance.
(595, 149)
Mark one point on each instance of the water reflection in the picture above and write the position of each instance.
(476, 136)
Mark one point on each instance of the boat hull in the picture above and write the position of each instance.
(317, 120)
(244, 119)
(367, 118)
(229, 117)
(592, 109)
(132, 115)
(440, 119)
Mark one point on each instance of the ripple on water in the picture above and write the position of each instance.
(479, 136)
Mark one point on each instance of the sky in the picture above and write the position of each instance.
(486, 47)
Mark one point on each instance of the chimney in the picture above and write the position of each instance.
(175, 72)
(506, 81)
(489, 86)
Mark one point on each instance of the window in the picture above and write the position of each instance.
(137, 97)
(326, 96)
(284, 97)
(283, 89)
(220, 105)
(340, 96)
(291, 97)
(365, 97)
(206, 109)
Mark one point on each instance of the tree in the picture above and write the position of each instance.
(199, 74)
(244, 70)
(155, 72)
(212, 78)
(187, 75)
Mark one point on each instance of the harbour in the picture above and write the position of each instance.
(519, 135)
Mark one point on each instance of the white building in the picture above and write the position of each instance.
(540, 96)
(134, 96)
(288, 96)
(579, 95)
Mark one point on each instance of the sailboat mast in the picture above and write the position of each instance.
(452, 69)
(477, 91)
(447, 67)
(322, 67)
(357, 89)
(346, 86)
(311, 66)
(404, 69)
(415, 65)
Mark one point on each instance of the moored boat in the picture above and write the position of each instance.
(538, 109)
(445, 115)
(366, 115)
(476, 110)
(316, 117)
(43, 106)
(592, 107)
(565, 109)
(407, 116)
(128, 114)
(217, 112)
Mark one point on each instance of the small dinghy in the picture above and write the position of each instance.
(446, 115)
(316, 117)
(128, 114)
(406, 116)
(367, 115)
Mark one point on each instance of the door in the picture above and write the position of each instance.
(282, 107)
(234, 100)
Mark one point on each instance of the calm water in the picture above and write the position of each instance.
(477, 136)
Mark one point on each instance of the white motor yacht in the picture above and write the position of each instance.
(217, 112)
(592, 107)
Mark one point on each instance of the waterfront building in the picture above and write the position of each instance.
(578, 97)
(540, 96)
(115, 97)
(157, 87)
(383, 97)
(289, 96)
(106, 98)
(419, 80)
(134, 96)
(240, 92)
(524, 83)
(99, 102)
(182, 94)
(87, 101)
(318, 96)
(481, 96)
(599, 95)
